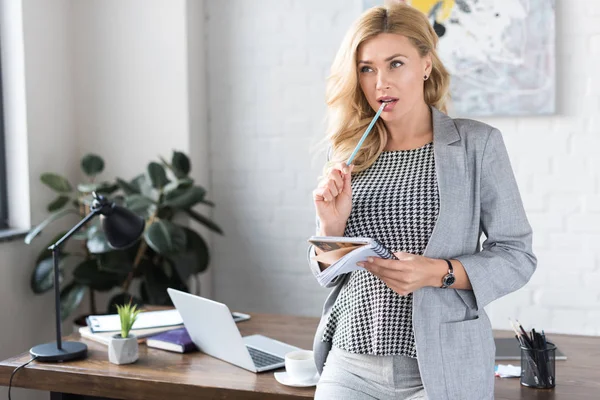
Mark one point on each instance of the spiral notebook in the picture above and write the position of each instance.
(342, 253)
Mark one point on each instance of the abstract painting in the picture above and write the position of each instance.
(500, 53)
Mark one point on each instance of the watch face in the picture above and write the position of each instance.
(449, 280)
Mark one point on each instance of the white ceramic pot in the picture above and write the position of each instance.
(123, 350)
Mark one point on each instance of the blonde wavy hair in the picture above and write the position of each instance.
(349, 113)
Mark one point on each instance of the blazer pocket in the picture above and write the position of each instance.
(467, 297)
(467, 370)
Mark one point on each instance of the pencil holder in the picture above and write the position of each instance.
(537, 367)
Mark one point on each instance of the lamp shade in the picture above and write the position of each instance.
(121, 227)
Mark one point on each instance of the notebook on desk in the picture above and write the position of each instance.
(508, 349)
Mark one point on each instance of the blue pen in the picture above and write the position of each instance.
(364, 136)
(544, 338)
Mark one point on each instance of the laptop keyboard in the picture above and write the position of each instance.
(262, 359)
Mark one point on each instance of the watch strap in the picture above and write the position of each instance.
(450, 273)
(450, 267)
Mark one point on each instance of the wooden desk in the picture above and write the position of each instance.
(162, 375)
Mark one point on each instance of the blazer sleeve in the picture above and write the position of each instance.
(506, 261)
(314, 265)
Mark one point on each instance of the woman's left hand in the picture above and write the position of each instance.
(405, 275)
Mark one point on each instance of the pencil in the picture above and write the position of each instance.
(513, 327)
(519, 335)
(527, 339)
(364, 136)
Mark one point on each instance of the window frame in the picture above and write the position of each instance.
(3, 179)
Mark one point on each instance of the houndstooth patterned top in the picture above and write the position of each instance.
(395, 201)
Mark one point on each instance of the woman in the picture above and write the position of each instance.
(426, 186)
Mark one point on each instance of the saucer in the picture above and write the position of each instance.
(284, 379)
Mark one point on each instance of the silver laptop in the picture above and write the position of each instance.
(509, 349)
(215, 333)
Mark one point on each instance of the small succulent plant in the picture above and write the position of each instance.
(128, 313)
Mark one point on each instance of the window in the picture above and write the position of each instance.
(3, 194)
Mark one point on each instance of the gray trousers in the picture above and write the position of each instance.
(351, 376)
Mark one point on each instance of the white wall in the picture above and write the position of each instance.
(198, 135)
(267, 64)
(556, 163)
(125, 80)
(38, 103)
(130, 81)
(139, 85)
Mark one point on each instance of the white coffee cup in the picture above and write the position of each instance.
(300, 365)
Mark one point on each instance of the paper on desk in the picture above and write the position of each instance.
(508, 371)
(145, 320)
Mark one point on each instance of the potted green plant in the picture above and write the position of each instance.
(170, 251)
(168, 255)
(123, 346)
(88, 275)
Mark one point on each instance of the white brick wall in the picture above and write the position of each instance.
(267, 66)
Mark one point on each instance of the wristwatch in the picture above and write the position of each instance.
(449, 278)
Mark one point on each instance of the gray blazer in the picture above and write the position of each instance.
(478, 193)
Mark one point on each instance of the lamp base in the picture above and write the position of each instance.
(49, 352)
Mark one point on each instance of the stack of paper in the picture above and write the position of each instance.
(145, 320)
(105, 337)
(346, 264)
(508, 371)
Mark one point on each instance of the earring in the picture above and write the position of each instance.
(425, 77)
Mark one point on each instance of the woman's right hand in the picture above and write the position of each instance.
(333, 198)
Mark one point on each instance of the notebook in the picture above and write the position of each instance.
(342, 253)
(145, 320)
(177, 340)
(105, 337)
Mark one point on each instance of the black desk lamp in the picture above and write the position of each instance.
(122, 228)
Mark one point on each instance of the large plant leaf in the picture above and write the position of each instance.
(107, 188)
(180, 164)
(127, 187)
(208, 203)
(92, 164)
(56, 182)
(58, 203)
(46, 252)
(185, 198)
(42, 278)
(182, 183)
(156, 282)
(87, 273)
(204, 221)
(70, 298)
(97, 242)
(140, 204)
(87, 187)
(144, 185)
(53, 217)
(197, 246)
(117, 262)
(101, 187)
(121, 299)
(165, 238)
(158, 175)
(194, 259)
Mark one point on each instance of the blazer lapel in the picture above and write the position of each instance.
(453, 183)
